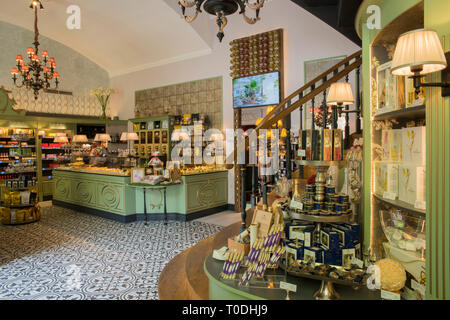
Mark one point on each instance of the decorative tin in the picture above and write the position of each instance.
(330, 189)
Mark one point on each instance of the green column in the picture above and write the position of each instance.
(438, 165)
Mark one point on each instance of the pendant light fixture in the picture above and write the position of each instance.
(38, 72)
(221, 9)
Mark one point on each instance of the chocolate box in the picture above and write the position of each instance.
(338, 145)
(332, 256)
(314, 253)
(329, 239)
(327, 144)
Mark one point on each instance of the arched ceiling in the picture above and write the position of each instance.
(119, 35)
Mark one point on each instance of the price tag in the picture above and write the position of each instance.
(297, 205)
(387, 295)
(288, 286)
(422, 205)
(420, 288)
(389, 195)
(358, 262)
(301, 153)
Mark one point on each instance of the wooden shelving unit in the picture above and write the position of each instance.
(411, 113)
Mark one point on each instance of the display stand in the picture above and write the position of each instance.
(34, 217)
(326, 291)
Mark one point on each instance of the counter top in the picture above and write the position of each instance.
(305, 287)
(92, 171)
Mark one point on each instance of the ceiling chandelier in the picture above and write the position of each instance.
(221, 9)
(35, 74)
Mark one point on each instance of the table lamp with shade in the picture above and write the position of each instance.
(80, 138)
(104, 138)
(418, 53)
(61, 137)
(129, 136)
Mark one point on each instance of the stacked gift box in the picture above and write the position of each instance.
(402, 171)
(322, 145)
(336, 244)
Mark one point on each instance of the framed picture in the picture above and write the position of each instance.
(165, 124)
(391, 89)
(137, 175)
(150, 125)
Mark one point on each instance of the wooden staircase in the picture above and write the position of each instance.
(309, 92)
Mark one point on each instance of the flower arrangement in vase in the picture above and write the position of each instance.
(102, 95)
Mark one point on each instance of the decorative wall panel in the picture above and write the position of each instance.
(257, 54)
(81, 105)
(200, 96)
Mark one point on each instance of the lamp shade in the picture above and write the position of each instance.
(418, 48)
(61, 139)
(129, 136)
(132, 136)
(81, 138)
(104, 137)
(97, 137)
(340, 94)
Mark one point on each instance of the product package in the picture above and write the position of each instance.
(302, 142)
(329, 239)
(338, 145)
(332, 256)
(386, 142)
(414, 145)
(313, 254)
(327, 144)
(396, 145)
(293, 228)
(386, 178)
(295, 249)
(5, 215)
(412, 180)
(345, 236)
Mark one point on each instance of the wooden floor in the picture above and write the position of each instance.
(183, 277)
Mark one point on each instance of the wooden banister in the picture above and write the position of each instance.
(286, 106)
(283, 112)
(307, 86)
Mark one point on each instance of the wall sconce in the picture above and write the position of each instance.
(419, 52)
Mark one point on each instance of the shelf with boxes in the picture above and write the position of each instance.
(154, 136)
(19, 191)
(398, 165)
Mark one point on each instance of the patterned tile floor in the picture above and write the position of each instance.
(70, 255)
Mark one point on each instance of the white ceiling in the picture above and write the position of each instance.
(121, 36)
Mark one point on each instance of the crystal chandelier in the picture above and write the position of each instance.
(36, 74)
(221, 9)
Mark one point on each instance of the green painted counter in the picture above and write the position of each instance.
(113, 197)
(228, 290)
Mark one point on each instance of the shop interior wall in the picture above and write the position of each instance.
(78, 73)
(305, 37)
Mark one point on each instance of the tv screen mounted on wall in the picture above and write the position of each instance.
(256, 91)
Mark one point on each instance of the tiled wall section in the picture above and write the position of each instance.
(201, 96)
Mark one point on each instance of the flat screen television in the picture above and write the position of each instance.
(256, 91)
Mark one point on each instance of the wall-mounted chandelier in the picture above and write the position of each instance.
(221, 9)
(35, 74)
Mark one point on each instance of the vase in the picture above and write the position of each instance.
(103, 116)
